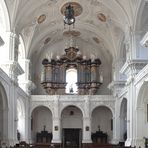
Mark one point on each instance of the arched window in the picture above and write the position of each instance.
(71, 80)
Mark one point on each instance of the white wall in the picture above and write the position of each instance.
(41, 117)
(71, 121)
(102, 116)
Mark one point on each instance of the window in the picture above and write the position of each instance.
(71, 80)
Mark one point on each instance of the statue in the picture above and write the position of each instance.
(18, 135)
(44, 127)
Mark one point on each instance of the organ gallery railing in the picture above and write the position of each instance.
(54, 74)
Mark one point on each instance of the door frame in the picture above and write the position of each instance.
(80, 136)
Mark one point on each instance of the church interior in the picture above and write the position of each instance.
(74, 73)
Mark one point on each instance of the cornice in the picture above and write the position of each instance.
(142, 74)
(133, 66)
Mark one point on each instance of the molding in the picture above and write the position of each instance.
(123, 93)
(5, 77)
(133, 66)
(115, 84)
(142, 74)
(116, 87)
(22, 93)
(79, 101)
(69, 98)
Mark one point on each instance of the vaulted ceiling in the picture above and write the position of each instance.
(101, 24)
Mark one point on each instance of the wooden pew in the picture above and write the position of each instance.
(95, 145)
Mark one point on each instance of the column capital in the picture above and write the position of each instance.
(132, 67)
(13, 69)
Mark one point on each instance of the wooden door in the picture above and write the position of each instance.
(72, 138)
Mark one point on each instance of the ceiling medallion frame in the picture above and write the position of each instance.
(76, 7)
(46, 41)
(41, 18)
(96, 40)
(102, 17)
(70, 33)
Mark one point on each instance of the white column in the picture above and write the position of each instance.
(86, 130)
(130, 112)
(56, 130)
(116, 129)
(87, 122)
(9, 58)
(140, 139)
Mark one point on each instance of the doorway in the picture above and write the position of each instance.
(72, 137)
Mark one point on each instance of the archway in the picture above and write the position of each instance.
(102, 122)
(4, 17)
(140, 26)
(72, 125)
(5, 28)
(20, 120)
(41, 124)
(142, 115)
(123, 120)
(3, 116)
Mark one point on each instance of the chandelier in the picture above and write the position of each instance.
(69, 18)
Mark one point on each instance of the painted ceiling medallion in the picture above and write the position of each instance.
(96, 40)
(102, 17)
(41, 18)
(71, 33)
(76, 6)
(47, 40)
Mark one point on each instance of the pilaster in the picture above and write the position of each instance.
(56, 139)
(116, 87)
(9, 59)
(86, 130)
(56, 131)
(131, 69)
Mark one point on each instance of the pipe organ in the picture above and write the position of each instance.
(53, 77)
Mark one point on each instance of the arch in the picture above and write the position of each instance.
(141, 93)
(140, 29)
(71, 125)
(122, 50)
(3, 114)
(73, 113)
(123, 120)
(21, 106)
(102, 120)
(21, 118)
(72, 104)
(137, 20)
(22, 53)
(104, 105)
(39, 105)
(4, 17)
(41, 120)
(4, 96)
(142, 114)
